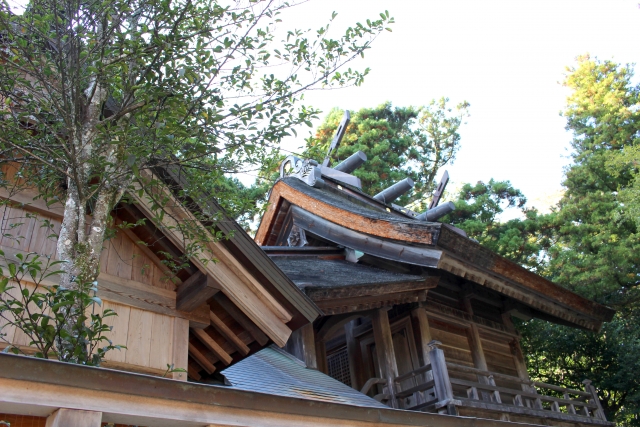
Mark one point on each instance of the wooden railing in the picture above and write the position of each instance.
(430, 388)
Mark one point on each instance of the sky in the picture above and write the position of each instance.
(507, 58)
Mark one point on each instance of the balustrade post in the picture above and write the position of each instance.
(599, 412)
(442, 383)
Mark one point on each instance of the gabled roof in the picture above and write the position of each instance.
(235, 305)
(275, 372)
(335, 213)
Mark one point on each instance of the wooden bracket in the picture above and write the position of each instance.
(195, 291)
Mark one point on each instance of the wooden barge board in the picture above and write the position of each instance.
(343, 212)
(39, 387)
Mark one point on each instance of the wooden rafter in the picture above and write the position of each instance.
(201, 359)
(212, 345)
(236, 289)
(224, 330)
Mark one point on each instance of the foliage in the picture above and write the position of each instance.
(63, 323)
(399, 142)
(478, 208)
(588, 244)
(96, 96)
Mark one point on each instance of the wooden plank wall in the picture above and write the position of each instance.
(148, 336)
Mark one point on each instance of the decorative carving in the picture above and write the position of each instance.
(305, 170)
(297, 237)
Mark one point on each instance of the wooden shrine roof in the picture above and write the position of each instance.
(336, 214)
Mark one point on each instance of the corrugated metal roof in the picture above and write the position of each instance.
(273, 371)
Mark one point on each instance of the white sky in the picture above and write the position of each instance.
(506, 57)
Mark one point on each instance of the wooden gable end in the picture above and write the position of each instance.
(244, 313)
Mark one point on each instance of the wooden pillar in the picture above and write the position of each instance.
(302, 344)
(516, 350)
(477, 352)
(442, 384)
(180, 356)
(321, 356)
(422, 333)
(385, 351)
(599, 412)
(355, 357)
(74, 418)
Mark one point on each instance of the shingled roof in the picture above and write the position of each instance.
(335, 213)
(275, 372)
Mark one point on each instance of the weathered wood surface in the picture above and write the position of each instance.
(194, 291)
(361, 241)
(384, 350)
(497, 273)
(302, 344)
(375, 227)
(358, 304)
(370, 290)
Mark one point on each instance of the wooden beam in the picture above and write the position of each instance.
(354, 355)
(237, 291)
(404, 231)
(26, 199)
(193, 372)
(195, 291)
(241, 319)
(359, 304)
(385, 351)
(423, 333)
(74, 418)
(224, 330)
(201, 359)
(321, 356)
(213, 346)
(335, 323)
(302, 344)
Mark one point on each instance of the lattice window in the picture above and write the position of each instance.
(338, 366)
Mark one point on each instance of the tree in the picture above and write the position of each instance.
(588, 244)
(596, 250)
(399, 142)
(478, 209)
(95, 93)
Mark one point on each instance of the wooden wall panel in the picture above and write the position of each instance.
(139, 337)
(498, 353)
(120, 331)
(17, 228)
(161, 348)
(454, 342)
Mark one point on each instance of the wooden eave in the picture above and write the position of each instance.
(245, 249)
(37, 387)
(395, 237)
